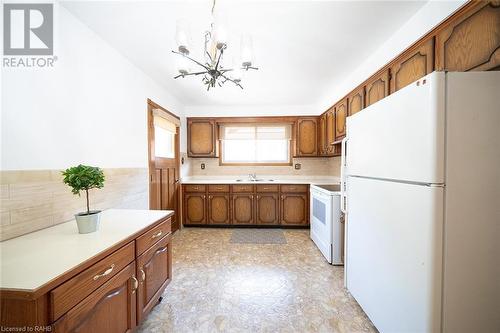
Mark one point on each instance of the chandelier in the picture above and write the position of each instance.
(212, 70)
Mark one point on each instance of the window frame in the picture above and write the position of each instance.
(256, 124)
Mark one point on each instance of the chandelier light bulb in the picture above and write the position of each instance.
(183, 65)
(236, 73)
(246, 50)
(220, 31)
(182, 38)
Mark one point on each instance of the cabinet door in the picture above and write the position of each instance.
(110, 308)
(412, 65)
(294, 209)
(195, 208)
(377, 88)
(201, 135)
(340, 115)
(154, 271)
(267, 208)
(218, 209)
(356, 101)
(471, 41)
(243, 209)
(330, 131)
(322, 135)
(307, 137)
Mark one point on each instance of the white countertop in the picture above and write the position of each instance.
(324, 180)
(30, 261)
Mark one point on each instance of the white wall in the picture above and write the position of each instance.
(90, 108)
(430, 15)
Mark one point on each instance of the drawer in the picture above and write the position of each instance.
(145, 241)
(80, 286)
(242, 188)
(194, 188)
(218, 188)
(267, 188)
(294, 188)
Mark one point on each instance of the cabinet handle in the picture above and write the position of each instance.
(195, 188)
(251, 197)
(106, 272)
(203, 197)
(210, 197)
(282, 197)
(157, 235)
(136, 284)
(258, 197)
(219, 188)
(143, 275)
(161, 249)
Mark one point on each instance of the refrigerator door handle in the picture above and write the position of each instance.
(343, 175)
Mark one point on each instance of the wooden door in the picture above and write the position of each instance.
(219, 208)
(471, 41)
(267, 208)
(243, 209)
(413, 65)
(201, 137)
(356, 101)
(307, 137)
(194, 208)
(154, 271)
(340, 115)
(164, 186)
(110, 308)
(294, 209)
(330, 131)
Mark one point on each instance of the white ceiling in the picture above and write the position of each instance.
(299, 46)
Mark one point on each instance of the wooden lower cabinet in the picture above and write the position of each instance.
(195, 208)
(154, 272)
(219, 207)
(243, 212)
(111, 308)
(267, 208)
(294, 209)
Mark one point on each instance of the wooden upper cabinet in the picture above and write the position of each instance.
(267, 208)
(322, 135)
(154, 271)
(219, 209)
(412, 65)
(330, 130)
(307, 137)
(471, 40)
(194, 208)
(340, 116)
(377, 88)
(243, 209)
(201, 134)
(356, 101)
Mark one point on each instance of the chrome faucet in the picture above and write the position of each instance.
(252, 176)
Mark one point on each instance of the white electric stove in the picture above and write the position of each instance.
(327, 227)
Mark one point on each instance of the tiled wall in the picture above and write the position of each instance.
(310, 166)
(36, 199)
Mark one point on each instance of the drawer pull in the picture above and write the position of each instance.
(157, 235)
(143, 275)
(195, 188)
(161, 249)
(136, 284)
(106, 272)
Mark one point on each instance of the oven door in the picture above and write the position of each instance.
(321, 222)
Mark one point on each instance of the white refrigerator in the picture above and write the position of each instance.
(421, 181)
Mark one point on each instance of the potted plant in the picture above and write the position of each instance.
(84, 178)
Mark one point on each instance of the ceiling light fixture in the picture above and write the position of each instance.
(215, 43)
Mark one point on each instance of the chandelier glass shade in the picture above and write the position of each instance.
(211, 69)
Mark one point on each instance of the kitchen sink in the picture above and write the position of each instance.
(255, 180)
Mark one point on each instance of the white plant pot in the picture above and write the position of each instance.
(88, 223)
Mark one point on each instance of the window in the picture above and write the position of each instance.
(255, 144)
(164, 137)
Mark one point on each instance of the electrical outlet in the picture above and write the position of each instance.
(202, 165)
(297, 166)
